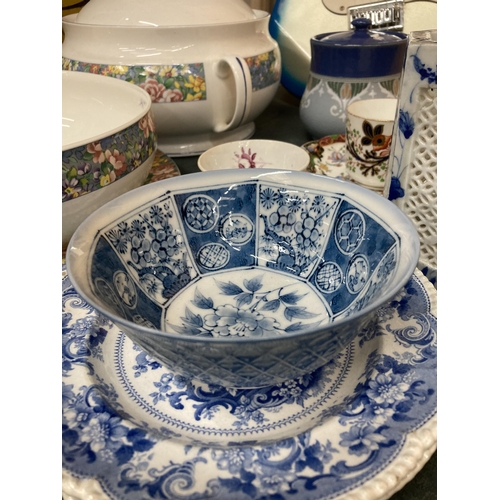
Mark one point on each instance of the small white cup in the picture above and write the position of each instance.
(369, 127)
(254, 153)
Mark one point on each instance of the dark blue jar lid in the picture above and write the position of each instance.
(362, 53)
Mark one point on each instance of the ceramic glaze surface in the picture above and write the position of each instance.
(242, 279)
(164, 12)
(201, 97)
(414, 155)
(137, 428)
(254, 154)
(85, 97)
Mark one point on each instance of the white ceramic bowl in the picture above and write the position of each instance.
(108, 143)
(211, 69)
(254, 153)
(243, 278)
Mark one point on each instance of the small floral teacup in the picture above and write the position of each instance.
(369, 128)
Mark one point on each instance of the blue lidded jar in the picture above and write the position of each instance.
(348, 66)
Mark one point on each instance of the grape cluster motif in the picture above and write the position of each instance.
(155, 250)
(293, 229)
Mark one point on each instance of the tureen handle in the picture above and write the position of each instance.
(238, 67)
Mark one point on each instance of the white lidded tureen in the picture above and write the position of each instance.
(210, 67)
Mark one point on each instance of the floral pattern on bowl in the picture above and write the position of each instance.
(254, 153)
(288, 236)
(94, 166)
(125, 441)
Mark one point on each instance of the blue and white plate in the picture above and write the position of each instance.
(359, 428)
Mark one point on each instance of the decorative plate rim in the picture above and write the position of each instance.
(415, 453)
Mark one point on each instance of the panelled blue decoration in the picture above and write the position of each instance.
(304, 250)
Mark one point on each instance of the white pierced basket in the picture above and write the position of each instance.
(413, 158)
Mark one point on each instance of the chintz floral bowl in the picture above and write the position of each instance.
(254, 153)
(108, 143)
(243, 278)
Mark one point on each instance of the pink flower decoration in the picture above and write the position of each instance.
(117, 160)
(147, 124)
(95, 149)
(172, 95)
(154, 89)
(246, 160)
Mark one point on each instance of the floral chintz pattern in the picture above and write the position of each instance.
(265, 69)
(180, 82)
(165, 84)
(101, 438)
(93, 166)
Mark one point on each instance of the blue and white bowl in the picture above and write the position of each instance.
(240, 278)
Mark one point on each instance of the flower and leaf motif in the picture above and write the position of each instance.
(246, 159)
(370, 150)
(248, 406)
(165, 84)
(346, 90)
(93, 166)
(388, 400)
(92, 431)
(254, 311)
(360, 438)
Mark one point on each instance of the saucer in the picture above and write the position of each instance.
(327, 156)
(132, 429)
(163, 168)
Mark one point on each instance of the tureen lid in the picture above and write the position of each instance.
(361, 53)
(164, 12)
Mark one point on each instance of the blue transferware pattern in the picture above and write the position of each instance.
(104, 435)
